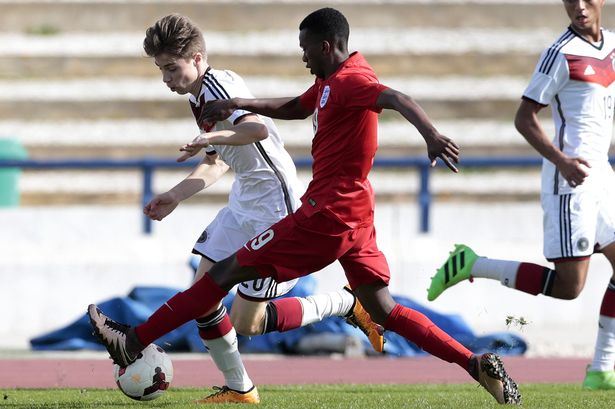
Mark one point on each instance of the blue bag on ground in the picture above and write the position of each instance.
(143, 301)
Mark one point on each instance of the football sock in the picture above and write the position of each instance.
(181, 308)
(417, 328)
(527, 277)
(220, 339)
(283, 315)
(604, 355)
(317, 307)
(535, 279)
(294, 312)
(503, 270)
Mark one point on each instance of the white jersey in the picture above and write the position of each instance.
(266, 187)
(577, 78)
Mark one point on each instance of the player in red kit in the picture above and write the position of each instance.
(336, 218)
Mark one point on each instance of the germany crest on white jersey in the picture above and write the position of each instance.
(577, 78)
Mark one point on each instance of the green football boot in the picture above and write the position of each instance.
(599, 380)
(457, 268)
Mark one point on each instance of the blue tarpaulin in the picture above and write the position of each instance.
(142, 301)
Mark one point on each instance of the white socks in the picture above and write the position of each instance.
(503, 270)
(604, 355)
(224, 350)
(317, 307)
(226, 356)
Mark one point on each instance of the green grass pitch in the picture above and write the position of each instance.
(321, 396)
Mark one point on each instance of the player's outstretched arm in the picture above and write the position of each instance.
(438, 145)
(528, 125)
(202, 176)
(278, 108)
(249, 129)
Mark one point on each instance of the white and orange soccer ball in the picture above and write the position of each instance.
(148, 377)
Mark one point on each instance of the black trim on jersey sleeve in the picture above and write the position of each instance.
(526, 98)
(198, 253)
(243, 116)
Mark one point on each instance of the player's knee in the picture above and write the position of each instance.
(571, 291)
(228, 272)
(246, 324)
(380, 316)
(567, 289)
(247, 329)
(378, 303)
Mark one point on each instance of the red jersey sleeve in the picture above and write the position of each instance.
(361, 92)
(308, 98)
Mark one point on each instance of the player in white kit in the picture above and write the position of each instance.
(576, 76)
(264, 191)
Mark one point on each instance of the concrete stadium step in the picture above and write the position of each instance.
(429, 51)
(496, 108)
(471, 63)
(140, 137)
(374, 40)
(443, 98)
(109, 15)
(60, 187)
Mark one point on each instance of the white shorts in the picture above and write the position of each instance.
(578, 224)
(223, 237)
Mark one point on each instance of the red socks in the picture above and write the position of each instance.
(181, 308)
(534, 279)
(288, 314)
(607, 308)
(215, 325)
(419, 329)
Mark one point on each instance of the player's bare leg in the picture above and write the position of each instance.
(248, 317)
(487, 369)
(288, 313)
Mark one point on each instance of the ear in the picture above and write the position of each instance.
(197, 58)
(326, 47)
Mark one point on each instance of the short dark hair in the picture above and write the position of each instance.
(175, 35)
(327, 22)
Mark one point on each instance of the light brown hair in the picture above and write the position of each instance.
(175, 35)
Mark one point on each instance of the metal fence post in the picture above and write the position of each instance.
(146, 196)
(424, 196)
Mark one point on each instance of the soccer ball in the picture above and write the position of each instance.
(148, 377)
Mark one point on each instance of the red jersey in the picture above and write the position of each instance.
(345, 140)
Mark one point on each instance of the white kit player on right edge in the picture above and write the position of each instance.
(576, 77)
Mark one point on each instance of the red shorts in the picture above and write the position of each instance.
(299, 245)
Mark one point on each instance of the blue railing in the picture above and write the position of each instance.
(149, 165)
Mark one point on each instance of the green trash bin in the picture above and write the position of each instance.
(9, 177)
